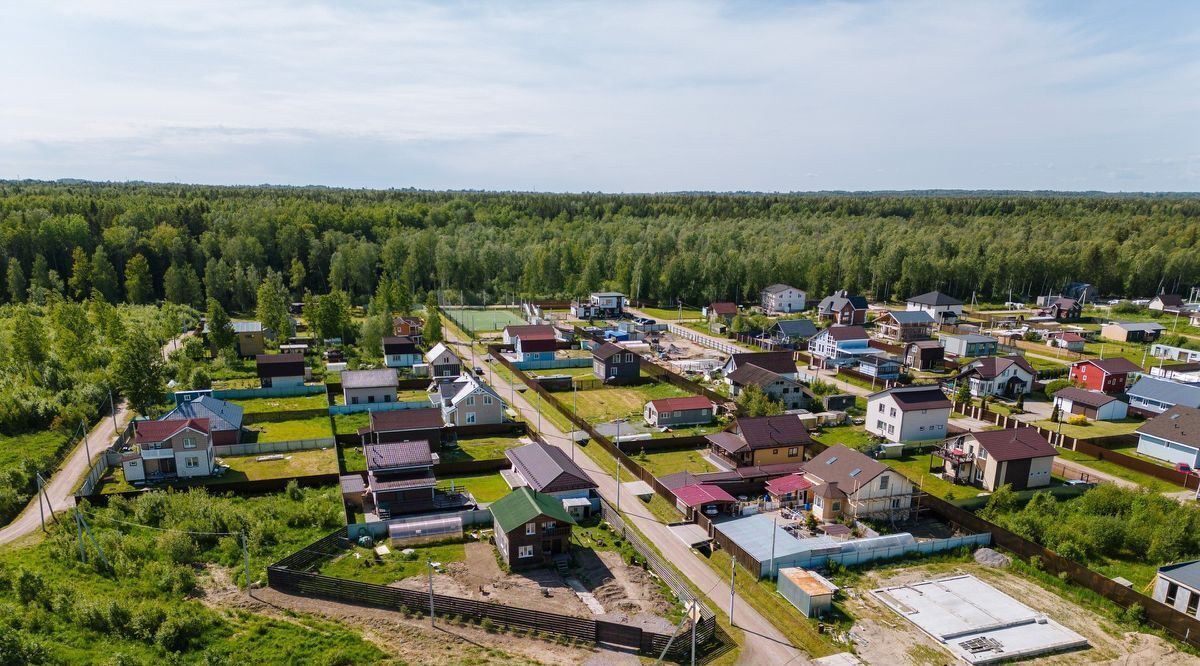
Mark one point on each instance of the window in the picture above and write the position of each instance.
(978, 474)
(883, 482)
(370, 399)
(893, 412)
(549, 526)
(629, 358)
(470, 417)
(881, 408)
(191, 462)
(189, 442)
(1193, 602)
(896, 503)
(837, 506)
(612, 371)
(982, 453)
(354, 400)
(676, 413)
(525, 551)
(530, 529)
(1172, 590)
(470, 401)
(880, 425)
(922, 428)
(793, 452)
(487, 399)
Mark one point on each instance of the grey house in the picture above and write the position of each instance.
(1151, 396)
(468, 401)
(676, 412)
(970, 345)
(615, 365)
(365, 387)
(791, 332)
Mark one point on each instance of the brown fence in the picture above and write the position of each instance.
(275, 417)
(462, 467)
(664, 444)
(256, 487)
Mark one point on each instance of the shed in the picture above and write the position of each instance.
(425, 530)
(807, 590)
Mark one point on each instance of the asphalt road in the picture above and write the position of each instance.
(764, 644)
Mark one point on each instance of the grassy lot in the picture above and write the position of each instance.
(916, 468)
(289, 404)
(484, 487)
(669, 462)
(41, 447)
(348, 424)
(480, 320)
(606, 404)
(1094, 428)
(481, 448)
(667, 314)
(1112, 469)
(574, 372)
(353, 459)
(1110, 349)
(283, 431)
(1132, 452)
(362, 564)
(688, 431)
(414, 395)
(862, 383)
(246, 468)
(852, 436)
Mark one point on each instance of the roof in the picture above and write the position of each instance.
(221, 415)
(523, 505)
(426, 480)
(1070, 336)
(778, 288)
(699, 494)
(934, 298)
(723, 308)
(788, 484)
(407, 419)
(682, 404)
(1014, 444)
(912, 398)
(839, 300)
(1170, 300)
(728, 441)
(1064, 303)
(752, 374)
(908, 317)
(280, 365)
(397, 454)
(355, 379)
(1184, 573)
(843, 333)
(246, 326)
(1148, 326)
(755, 535)
(536, 344)
(399, 344)
(846, 467)
(829, 491)
(809, 582)
(547, 469)
(1118, 365)
(993, 366)
(438, 350)
(1084, 397)
(796, 328)
(352, 483)
(607, 351)
(770, 431)
(608, 294)
(1178, 424)
(464, 386)
(926, 344)
(878, 360)
(1164, 391)
(972, 338)
(159, 431)
(781, 362)
(530, 332)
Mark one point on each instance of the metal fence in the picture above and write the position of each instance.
(865, 555)
(553, 365)
(379, 407)
(705, 340)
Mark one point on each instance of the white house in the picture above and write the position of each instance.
(1173, 436)
(1019, 457)
(841, 345)
(1004, 376)
(175, 448)
(1178, 586)
(782, 299)
(400, 352)
(443, 362)
(848, 483)
(365, 387)
(908, 414)
(944, 309)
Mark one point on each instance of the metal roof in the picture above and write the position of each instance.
(1184, 573)
(1168, 392)
(523, 505)
(355, 379)
(221, 415)
(547, 469)
(753, 534)
(934, 298)
(909, 316)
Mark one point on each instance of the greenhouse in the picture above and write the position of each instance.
(425, 530)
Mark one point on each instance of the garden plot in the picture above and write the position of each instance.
(602, 405)
(314, 427)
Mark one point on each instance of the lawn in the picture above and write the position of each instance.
(574, 372)
(480, 448)
(1109, 349)
(289, 404)
(415, 395)
(348, 424)
(480, 320)
(671, 314)
(669, 462)
(42, 447)
(362, 564)
(1113, 469)
(484, 487)
(315, 427)
(861, 383)
(605, 404)
(852, 436)
(247, 468)
(916, 468)
(1093, 428)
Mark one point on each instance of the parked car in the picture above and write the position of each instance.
(1183, 467)
(479, 371)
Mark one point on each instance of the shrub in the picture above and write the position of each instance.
(29, 586)
(1077, 420)
(1134, 614)
(293, 491)
(487, 625)
(176, 633)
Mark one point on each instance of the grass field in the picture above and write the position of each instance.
(480, 448)
(413, 395)
(283, 431)
(362, 564)
(669, 462)
(289, 404)
(606, 404)
(481, 320)
(574, 372)
(1109, 349)
(37, 446)
(248, 468)
(348, 424)
(484, 487)
(1112, 469)
(854, 437)
(667, 314)
(1094, 428)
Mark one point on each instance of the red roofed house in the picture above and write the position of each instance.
(706, 498)
(762, 440)
(532, 343)
(1020, 457)
(177, 448)
(720, 316)
(790, 490)
(675, 412)
(1109, 375)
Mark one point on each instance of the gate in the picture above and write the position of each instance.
(618, 634)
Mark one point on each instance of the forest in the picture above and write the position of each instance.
(142, 243)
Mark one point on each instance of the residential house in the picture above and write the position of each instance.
(405, 425)
(904, 325)
(1173, 436)
(468, 401)
(791, 490)
(532, 343)
(762, 440)
(1067, 340)
(531, 529)
(846, 482)
(600, 305)
(1170, 353)
(1095, 405)
(1003, 376)
(1166, 303)
(547, 470)
(704, 498)
(400, 351)
(679, 412)
(721, 313)
(842, 308)
(443, 362)
(969, 346)
(175, 448)
(841, 345)
(224, 418)
(280, 370)
(908, 414)
(1132, 331)
(1194, 319)
(1063, 309)
(408, 327)
(1178, 586)
(400, 478)
(780, 299)
(248, 338)
(780, 388)
(780, 362)
(881, 367)
(1151, 396)
(944, 309)
(366, 387)
(791, 333)
(615, 365)
(1020, 457)
(1187, 373)
(1110, 375)
(924, 355)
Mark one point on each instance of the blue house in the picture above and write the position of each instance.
(880, 367)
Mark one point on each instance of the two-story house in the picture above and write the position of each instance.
(600, 305)
(791, 333)
(908, 414)
(881, 367)
(170, 449)
(1110, 375)
(1003, 376)
(1020, 457)
(615, 365)
(443, 362)
(970, 345)
(249, 338)
(841, 345)
(547, 470)
(531, 528)
(904, 325)
(468, 401)
(780, 299)
(1062, 309)
(843, 308)
(366, 387)
(848, 483)
(280, 370)
(532, 343)
(720, 315)
(408, 327)
(780, 362)
(1178, 586)
(400, 352)
(400, 478)
(944, 308)
(762, 440)
(780, 388)
(224, 418)
(924, 355)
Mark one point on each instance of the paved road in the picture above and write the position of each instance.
(62, 484)
(764, 644)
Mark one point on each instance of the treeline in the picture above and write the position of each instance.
(184, 244)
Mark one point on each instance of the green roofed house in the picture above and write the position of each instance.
(532, 528)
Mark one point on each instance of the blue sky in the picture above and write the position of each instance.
(606, 96)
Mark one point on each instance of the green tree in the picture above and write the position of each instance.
(27, 345)
(296, 275)
(220, 330)
(181, 285)
(138, 285)
(374, 329)
(432, 333)
(272, 308)
(104, 276)
(80, 282)
(17, 286)
(404, 298)
(963, 393)
(138, 371)
(754, 402)
(332, 315)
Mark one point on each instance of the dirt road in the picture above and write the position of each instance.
(62, 484)
(764, 644)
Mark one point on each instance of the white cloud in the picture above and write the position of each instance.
(565, 96)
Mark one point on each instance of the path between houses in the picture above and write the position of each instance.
(61, 486)
(763, 644)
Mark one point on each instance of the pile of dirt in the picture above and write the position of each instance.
(990, 558)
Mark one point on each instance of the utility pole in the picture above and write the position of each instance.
(695, 613)
(246, 556)
(113, 406)
(774, 526)
(41, 510)
(429, 563)
(86, 448)
(732, 576)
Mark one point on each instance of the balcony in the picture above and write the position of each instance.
(954, 455)
(156, 454)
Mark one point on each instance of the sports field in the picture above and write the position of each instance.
(482, 320)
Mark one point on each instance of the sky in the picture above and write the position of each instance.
(605, 96)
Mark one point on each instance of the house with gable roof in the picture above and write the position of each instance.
(531, 528)
(908, 413)
(904, 325)
(782, 299)
(944, 308)
(443, 362)
(532, 343)
(841, 345)
(224, 418)
(1004, 376)
(546, 469)
(843, 308)
(761, 440)
(468, 401)
(1020, 457)
(168, 449)
(849, 483)
(1110, 375)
